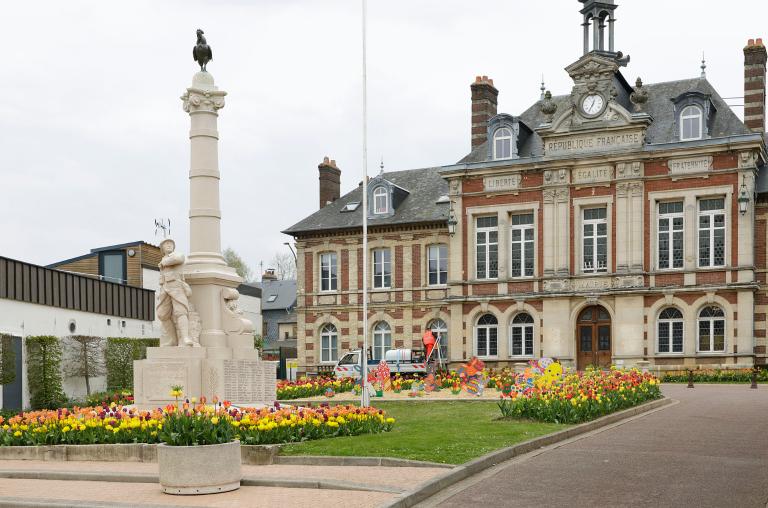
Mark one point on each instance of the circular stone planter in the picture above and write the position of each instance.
(207, 469)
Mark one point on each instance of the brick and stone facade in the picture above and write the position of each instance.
(624, 225)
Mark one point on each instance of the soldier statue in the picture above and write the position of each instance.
(173, 307)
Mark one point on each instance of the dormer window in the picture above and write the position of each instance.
(691, 123)
(380, 200)
(502, 143)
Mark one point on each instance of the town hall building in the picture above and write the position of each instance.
(619, 223)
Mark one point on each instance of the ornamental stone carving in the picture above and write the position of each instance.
(548, 107)
(629, 169)
(636, 188)
(594, 283)
(621, 189)
(557, 285)
(203, 95)
(747, 159)
(548, 195)
(639, 96)
(556, 177)
(561, 195)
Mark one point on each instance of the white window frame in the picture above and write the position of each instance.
(486, 232)
(698, 115)
(487, 328)
(594, 240)
(670, 235)
(712, 229)
(379, 281)
(440, 327)
(380, 197)
(382, 340)
(502, 135)
(711, 320)
(523, 329)
(521, 244)
(329, 344)
(436, 247)
(329, 260)
(669, 323)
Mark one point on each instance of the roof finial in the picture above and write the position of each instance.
(703, 66)
(543, 88)
(381, 166)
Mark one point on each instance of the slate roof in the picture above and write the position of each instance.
(285, 291)
(424, 186)
(659, 106)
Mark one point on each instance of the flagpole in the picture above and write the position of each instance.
(364, 400)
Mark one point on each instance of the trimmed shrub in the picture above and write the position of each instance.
(120, 354)
(44, 372)
(7, 360)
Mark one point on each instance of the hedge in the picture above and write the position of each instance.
(120, 354)
(44, 372)
(7, 360)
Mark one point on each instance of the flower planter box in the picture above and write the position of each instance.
(208, 469)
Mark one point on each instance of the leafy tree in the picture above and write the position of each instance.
(44, 372)
(235, 261)
(84, 357)
(7, 360)
(258, 341)
(285, 266)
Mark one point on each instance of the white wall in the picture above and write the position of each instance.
(24, 319)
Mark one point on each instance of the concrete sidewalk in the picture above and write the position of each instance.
(710, 450)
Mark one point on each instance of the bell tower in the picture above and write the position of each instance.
(597, 15)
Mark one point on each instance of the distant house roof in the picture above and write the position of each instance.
(278, 294)
(425, 188)
(101, 249)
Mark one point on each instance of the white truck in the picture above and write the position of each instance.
(404, 361)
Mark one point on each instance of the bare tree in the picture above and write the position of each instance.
(236, 262)
(285, 266)
(84, 357)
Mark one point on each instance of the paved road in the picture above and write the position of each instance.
(709, 450)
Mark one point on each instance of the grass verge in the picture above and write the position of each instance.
(446, 432)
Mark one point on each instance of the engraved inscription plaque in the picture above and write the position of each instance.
(244, 381)
(587, 143)
(689, 165)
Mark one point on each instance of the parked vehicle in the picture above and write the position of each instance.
(403, 361)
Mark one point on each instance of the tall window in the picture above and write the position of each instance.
(487, 247)
(711, 329)
(712, 232)
(487, 335)
(380, 200)
(670, 331)
(328, 276)
(671, 235)
(690, 123)
(521, 335)
(502, 143)
(595, 240)
(382, 340)
(440, 330)
(329, 344)
(522, 245)
(382, 268)
(437, 264)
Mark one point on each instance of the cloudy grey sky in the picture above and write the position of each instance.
(93, 139)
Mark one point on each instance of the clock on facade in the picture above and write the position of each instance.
(592, 104)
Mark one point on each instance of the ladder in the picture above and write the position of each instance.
(435, 356)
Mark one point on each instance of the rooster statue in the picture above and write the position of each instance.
(202, 53)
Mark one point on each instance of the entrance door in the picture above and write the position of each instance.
(12, 390)
(593, 338)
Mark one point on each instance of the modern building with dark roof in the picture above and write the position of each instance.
(618, 223)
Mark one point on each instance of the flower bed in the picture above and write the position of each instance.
(581, 396)
(306, 387)
(119, 424)
(715, 376)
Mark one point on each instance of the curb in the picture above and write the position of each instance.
(251, 455)
(325, 460)
(435, 485)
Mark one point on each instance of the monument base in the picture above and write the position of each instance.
(234, 374)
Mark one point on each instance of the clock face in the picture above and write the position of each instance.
(592, 104)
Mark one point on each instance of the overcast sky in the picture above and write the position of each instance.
(94, 142)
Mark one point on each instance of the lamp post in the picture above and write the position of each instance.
(295, 259)
(452, 221)
(743, 199)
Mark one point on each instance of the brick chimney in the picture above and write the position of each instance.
(755, 57)
(484, 103)
(269, 274)
(330, 181)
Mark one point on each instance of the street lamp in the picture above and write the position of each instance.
(743, 199)
(452, 222)
(288, 244)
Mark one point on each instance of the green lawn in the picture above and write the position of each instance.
(447, 432)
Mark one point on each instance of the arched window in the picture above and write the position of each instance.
(670, 331)
(711, 329)
(440, 331)
(502, 143)
(329, 344)
(382, 340)
(521, 335)
(690, 123)
(380, 200)
(487, 336)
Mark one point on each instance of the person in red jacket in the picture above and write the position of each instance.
(429, 341)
